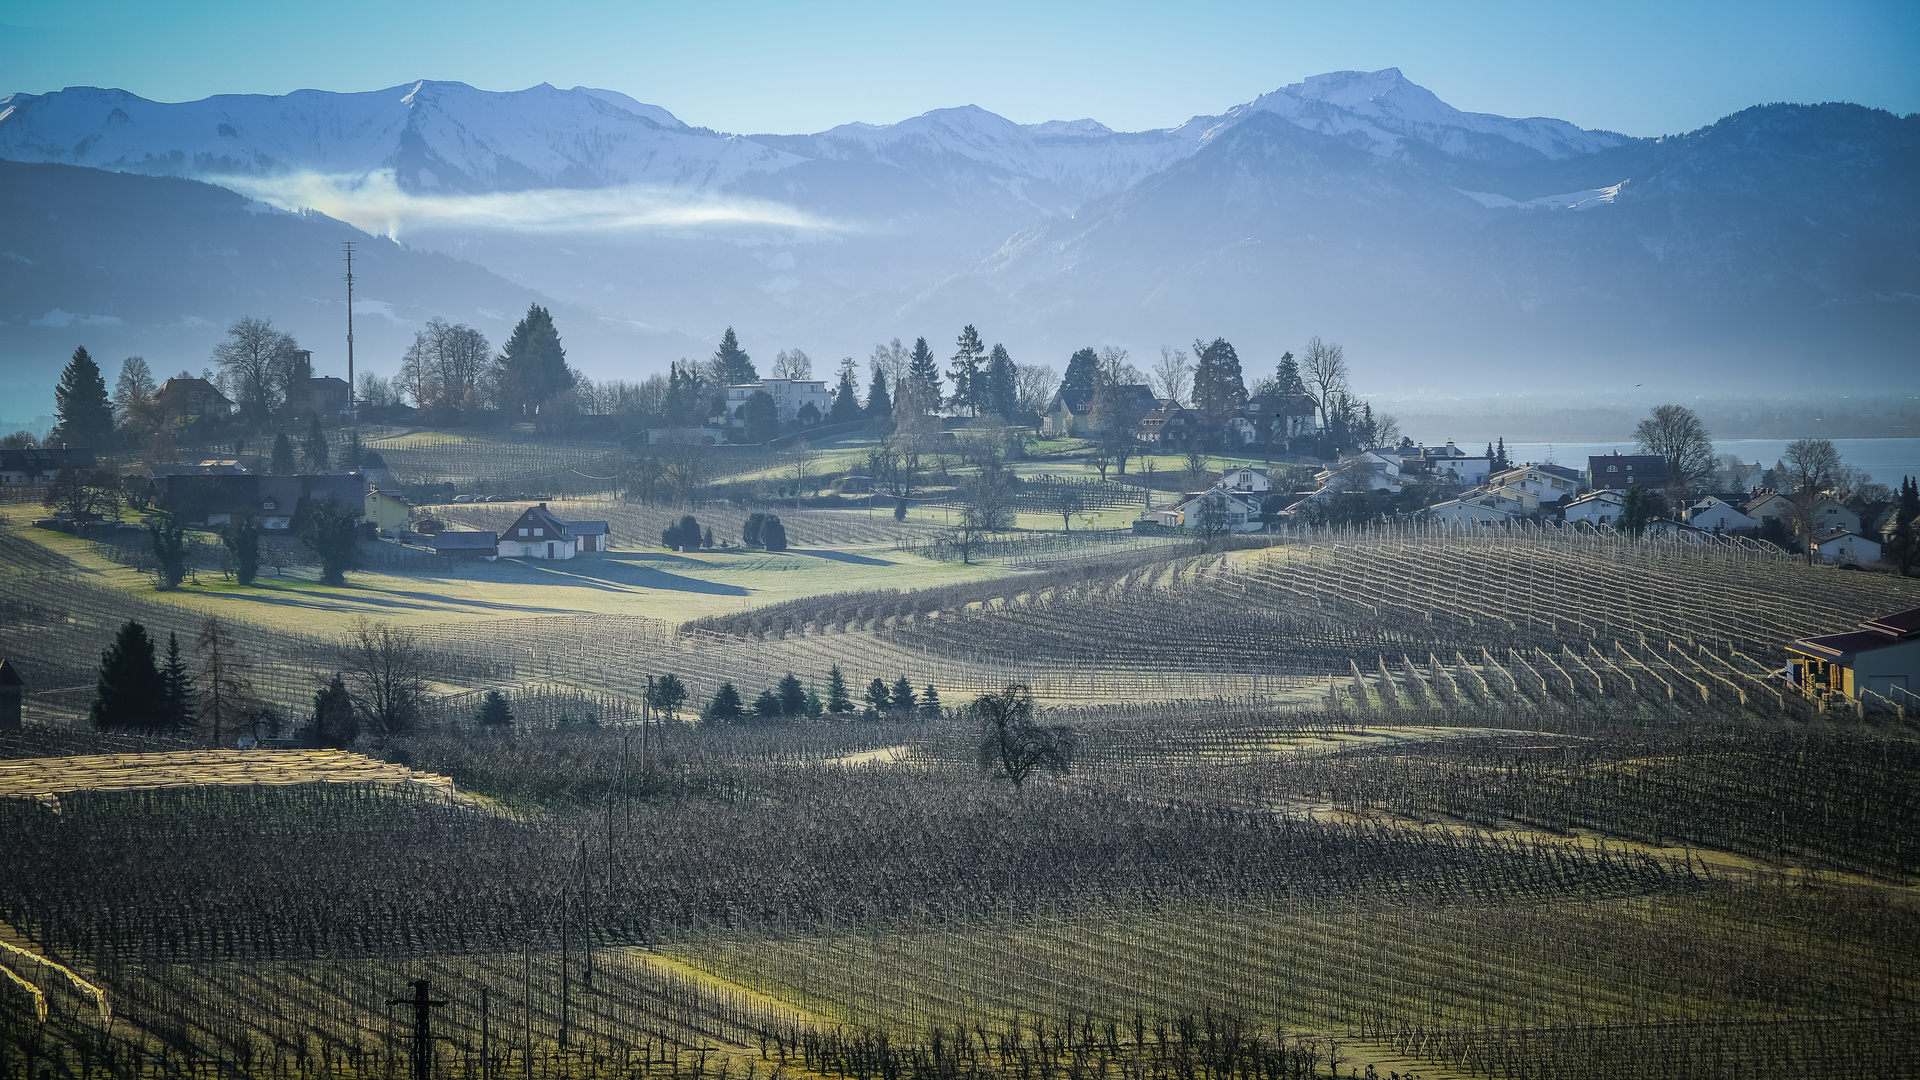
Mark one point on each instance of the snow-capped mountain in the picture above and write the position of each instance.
(435, 136)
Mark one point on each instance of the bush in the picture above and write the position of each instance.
(684, 536)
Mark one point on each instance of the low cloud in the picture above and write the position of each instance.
(62, 319)
(376, 203)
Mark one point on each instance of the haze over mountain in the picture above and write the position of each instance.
(1453, 251)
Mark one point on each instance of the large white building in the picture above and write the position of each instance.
(790, 396)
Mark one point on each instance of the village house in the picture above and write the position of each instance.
(271, 501)
(1617, 470)
(1482, 511)
(1830, 515)
(40, 466)
(1239, 512)
(1847, 547)
(390, 513)
(187, 396)
(1282, 417)
(537, 534)
(1768, 506)
(1448, 462)
(1881, 658)
(1245, 480)
(1076, 411)
(1171, 425)
(1714, 515)
(1531, 485)
(1596, 508)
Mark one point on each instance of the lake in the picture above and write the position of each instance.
(1886, 460)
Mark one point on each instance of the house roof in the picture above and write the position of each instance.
(1902, 624)
(540, 517)
(1622, 470)
(1842, 647)
(1841, 534)
(9, 676)
(463, 540)
(190, 385)
(588, 528)
(1604, 494)
(389, 495)
(1075, 398)
(43, 459)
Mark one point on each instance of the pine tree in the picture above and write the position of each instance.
(930, 702)
(495, 710)
(793, 696)
(924, 373)
(313, 449)
(839, 700)
(131, 693)
(878, 698)
(767, 706)
(725, 707)
(1903, 531)
(281, 464)
(336, 724)
(1083, 370)
(667, 693)
(80, 401)
(965, 371)
(177, 687)
(879, 402)
(1000, 391)
(532, 368)
(846, 399)
(685, 405)
(903, 695)
(1500, 454)
(731, 364)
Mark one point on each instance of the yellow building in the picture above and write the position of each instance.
(390, 514)
(1881, 658)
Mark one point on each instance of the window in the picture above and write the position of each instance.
(523, 532)
(538, 532)
(1613, 468)
(268, 504)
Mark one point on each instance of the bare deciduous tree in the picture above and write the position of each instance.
(1323, 366)
(386, 673)
(223, 681)
(257, 362)
(1034, 385)
(792, 364)
(1011, 744)
(1813, 465)
(1675, 433)
(1173, 375)
(1115, 370)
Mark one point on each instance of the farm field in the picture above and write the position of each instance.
(1341, 803)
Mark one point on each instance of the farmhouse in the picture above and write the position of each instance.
(537, 534)
(187, 396)
(1880, 658)
(1281, 417)
(1171, 425)
(42, 465)
(1618, 470)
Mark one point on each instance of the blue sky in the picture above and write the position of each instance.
(1637, 67)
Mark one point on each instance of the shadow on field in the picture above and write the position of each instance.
(624, 573)
(840, 556)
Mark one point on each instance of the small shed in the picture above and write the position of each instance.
(464, 544)
(1881, 658)
(591, 535)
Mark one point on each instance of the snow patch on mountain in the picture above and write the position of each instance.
(1572, 200)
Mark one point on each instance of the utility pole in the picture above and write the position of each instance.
(352, 410)
(422, 1028)
(486, 1049)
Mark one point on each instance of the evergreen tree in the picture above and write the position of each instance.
(839, 700)
(356, 451)
(773, 535)
(1903, 531)
(725, 707)
(177, 688)
(903, 696)
(1000, 392)
(313, 449)
(813, 708)
(930, 702)
(760, 418)
(685, 404)
(131, 693)
(706, 538)
(333, 535)
(1083, 370)
(1500, 455)
(965, 371)
(879, 402)
(667, 694)
(80, 401)
(793, 696)
(878, 698)
(243, 540)
(766, 707)
(750, 532)
(336, 723)
(281, 464)
(495, 710)
(924, 372)
(684, 536)
(532, 367)
(846, 400)
(731, 364)
(169, 539)
(1218, 385)
(1286, 380)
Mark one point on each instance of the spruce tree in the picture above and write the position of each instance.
(1083, 370)
(80, 401)
(839, 700)
(1287, 382)
(965, 371)
(793, 696)
(1000, 389)
(878, 698)
(243, 540)
(313, 450)
(767, 706)
(879, 402)
(495, 711)
(281, 463)
(335, 723)
(667, 693)
(930, 702)
(177, 686)
(814, 708)
(532, 367)
(725, 707)
(731, 364)
(131, 694)
(1903, 530)
(924, 372)
(903, 695)
(846, 399)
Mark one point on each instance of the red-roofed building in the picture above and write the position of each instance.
(1881, 659)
